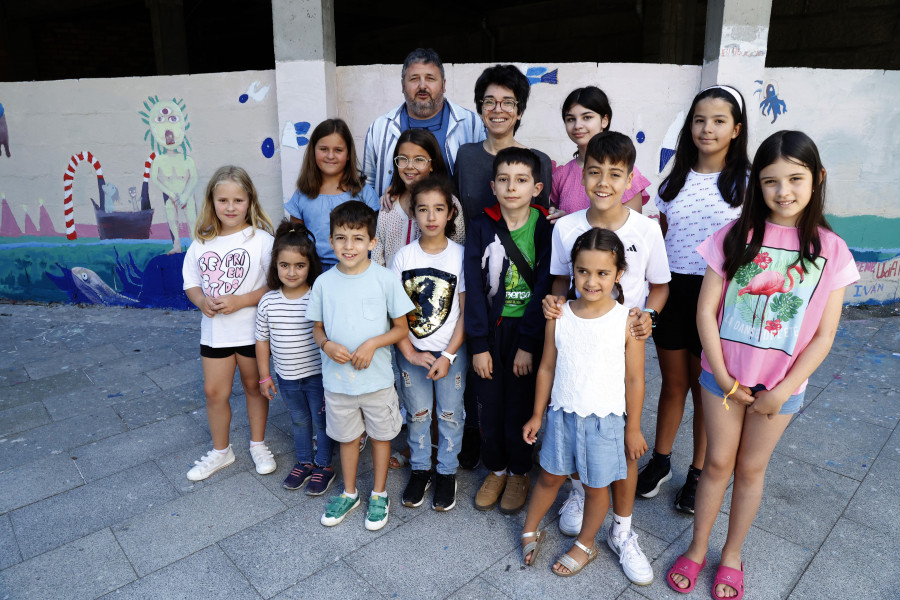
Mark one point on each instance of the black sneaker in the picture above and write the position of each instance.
(471, 448)
(414, 494)
(653, 475)
(684, 499)
(444, 492)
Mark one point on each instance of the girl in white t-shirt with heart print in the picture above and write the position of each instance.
(224, 275)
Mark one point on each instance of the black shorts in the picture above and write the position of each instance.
(676, 328)
(210, 352)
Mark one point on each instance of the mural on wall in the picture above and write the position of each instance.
(254, 92)
(172, 171)
(294, 134)
(670, 141)
(542, 75)
(771, 104)
(4, 132)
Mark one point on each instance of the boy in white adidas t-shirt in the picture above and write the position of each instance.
(608, 169)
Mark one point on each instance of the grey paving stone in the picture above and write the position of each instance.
(25, 350)
(335, 582)
(36, 481)
(9, 547)
(176, 374)
(630, 594)
(892, 447)
(47, 524)
(137, 446)
(875, 503)
(887, 337)
(859, 395)
(113, 385)
(239, 414)
(854, 562)
(33, 389)
(801, 502)
(55, 438)
(23, 417)
(205, 574)
(827, 439)
(772, 565)
(66, 404)
(73, 359)
(283, 566)
(478, 589)
(83, 569)
(179, 528)
(852, 335)
(11, 374)
(157, 405)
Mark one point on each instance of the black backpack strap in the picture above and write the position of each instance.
(515, 255)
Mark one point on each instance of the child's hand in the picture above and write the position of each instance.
(420, 359)
(362, 356)
(767, 402)
(531, 428)
(555, 213)
(227, 304)
(439, 369)
(635, 444)
(522, 363)
(552, 306)
(337, 352)
(208, 307)
(268, 390)
(483, 365)
(387, 203)
(642, 326)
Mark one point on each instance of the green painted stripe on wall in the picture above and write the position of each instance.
(868, 231)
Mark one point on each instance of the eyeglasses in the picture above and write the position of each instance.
(418, 163)
(506, 105)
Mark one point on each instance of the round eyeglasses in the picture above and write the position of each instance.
(418, 163)
(506, 105)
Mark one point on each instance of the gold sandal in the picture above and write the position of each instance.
(571, 564)
(532, 546)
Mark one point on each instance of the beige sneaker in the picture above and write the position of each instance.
(516, 494)
(489, 493)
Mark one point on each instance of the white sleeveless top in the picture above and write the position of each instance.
(590, 363)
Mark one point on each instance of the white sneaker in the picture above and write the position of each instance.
(635, 564)
(263, 459)
(572, 513)
(209, 464)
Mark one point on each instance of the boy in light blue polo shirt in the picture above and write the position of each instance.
(359, 309)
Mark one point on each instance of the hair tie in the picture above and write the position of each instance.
(732, 91)
(293, 230)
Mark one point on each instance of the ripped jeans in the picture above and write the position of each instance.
(419, 396)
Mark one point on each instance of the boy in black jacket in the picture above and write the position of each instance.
(507, 271)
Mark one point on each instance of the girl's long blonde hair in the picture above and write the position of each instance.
(208, 226)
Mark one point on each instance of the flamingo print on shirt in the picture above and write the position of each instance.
(769, 296)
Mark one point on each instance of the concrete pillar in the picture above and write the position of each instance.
(304, 77)
(737, 36)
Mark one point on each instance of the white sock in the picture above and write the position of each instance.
(255, 444)
(620, 525)
(351, 496)
(577, 486)
(500, 473)
(223, 451)
(380, 494)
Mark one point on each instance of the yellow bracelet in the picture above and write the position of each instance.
(725, 398)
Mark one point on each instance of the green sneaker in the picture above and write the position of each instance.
(337, 508)
(377, 515)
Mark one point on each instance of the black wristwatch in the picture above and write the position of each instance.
(654, 316)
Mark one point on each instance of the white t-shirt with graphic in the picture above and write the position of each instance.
(645, 252)
(433, 282)
(229, 264)
(697, 212)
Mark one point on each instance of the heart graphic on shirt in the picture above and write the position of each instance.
(223, 275)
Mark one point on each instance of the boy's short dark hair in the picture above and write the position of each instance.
(354, 214)
(441, 185)
(611, 146)
(518, 156)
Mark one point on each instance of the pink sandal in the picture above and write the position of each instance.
(730, 577)
(686, 568)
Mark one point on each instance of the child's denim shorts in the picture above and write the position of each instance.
(592, 446)
(791, 406)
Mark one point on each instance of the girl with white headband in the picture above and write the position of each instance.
(701, 194)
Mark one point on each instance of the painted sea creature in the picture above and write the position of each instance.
(542, 75)
(769, 283)
(254, 92)
(670, 141)
(771, 104)
(4, 133)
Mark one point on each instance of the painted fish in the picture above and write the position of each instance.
(542, 75)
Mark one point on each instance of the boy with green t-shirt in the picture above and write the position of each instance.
(507, 271)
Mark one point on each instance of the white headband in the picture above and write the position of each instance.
(734, 94)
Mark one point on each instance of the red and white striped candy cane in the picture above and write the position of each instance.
(68, 179)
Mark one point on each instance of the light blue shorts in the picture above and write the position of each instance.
(592, 446)
(791, 406)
